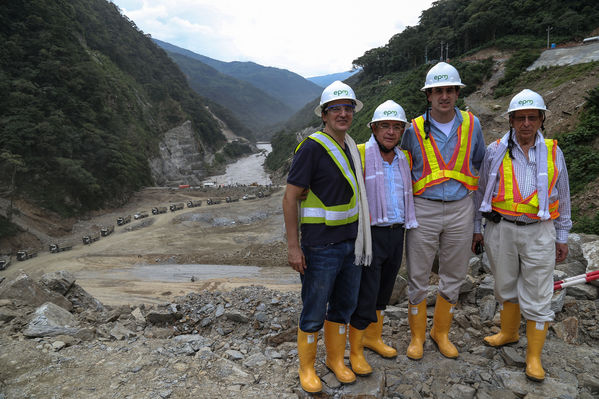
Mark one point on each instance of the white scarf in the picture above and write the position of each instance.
(363, 245)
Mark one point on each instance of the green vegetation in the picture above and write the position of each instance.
(468, 25)
(580, 150)
(514, 67)
(86, 97)
(7, 229)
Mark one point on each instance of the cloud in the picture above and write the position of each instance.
(306, 37)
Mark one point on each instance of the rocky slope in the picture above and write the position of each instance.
(58, 341)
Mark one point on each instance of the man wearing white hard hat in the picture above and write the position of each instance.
(389, 189)
(524, 195)
(447, 148)
(335, 233)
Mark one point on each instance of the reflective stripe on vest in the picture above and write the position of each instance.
(434, 168)
(312, 209)
(509, 201)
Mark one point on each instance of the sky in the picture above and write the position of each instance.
(310, 38)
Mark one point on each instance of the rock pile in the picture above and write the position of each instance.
(58, 341)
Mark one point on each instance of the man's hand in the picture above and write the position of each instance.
(296, 259)
(477, 238)
(561, 251)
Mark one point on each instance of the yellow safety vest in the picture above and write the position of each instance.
(312, 209)
(509, 201)
(434, 169)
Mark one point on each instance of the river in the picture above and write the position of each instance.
(247, 170)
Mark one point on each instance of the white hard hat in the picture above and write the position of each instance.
(442, 74)
(527, 99)
(337, 91)
(388, 111)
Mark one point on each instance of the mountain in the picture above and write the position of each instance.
(285, 86)
(325, 80)
(255, 109)
(87, 99)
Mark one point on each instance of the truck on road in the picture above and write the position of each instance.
(4, 262)
(56, 247)
(194, 203)
(158, 209)
(231, 199)
(90, 238)
(123, 220)
(211, 201)
(176, 207)
(107, 230)
(141, 215)
(24, 254)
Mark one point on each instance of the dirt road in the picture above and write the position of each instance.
(163, 256)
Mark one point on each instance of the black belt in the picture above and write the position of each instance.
(520, 223)
(439, 200)
(391, 226)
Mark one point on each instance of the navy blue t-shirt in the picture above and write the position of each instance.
(313, 168)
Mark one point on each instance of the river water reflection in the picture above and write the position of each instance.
(246, 170)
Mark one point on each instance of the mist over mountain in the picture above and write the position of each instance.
(285, 86)
(325, 80)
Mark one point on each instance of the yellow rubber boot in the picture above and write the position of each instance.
(373, 338)
(535, 333)
(335, 338)
(510, 324)
(441, 324)
(306, 350)
(357, 360)
(417, 320)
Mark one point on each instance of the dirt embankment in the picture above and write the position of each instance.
(117, 269)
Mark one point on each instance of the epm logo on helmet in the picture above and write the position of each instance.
(440, 77)
(525, 102)
(341, 93)
(387, 113)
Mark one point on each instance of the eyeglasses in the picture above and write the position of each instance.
(395, 127)
(531, 118)
(337, 108)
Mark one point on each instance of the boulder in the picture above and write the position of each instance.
(50, 320)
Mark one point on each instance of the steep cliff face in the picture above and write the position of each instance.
(180, 159)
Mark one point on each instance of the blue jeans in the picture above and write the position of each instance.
(330, 285)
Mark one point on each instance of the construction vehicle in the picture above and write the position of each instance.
(194, 203)
(210, 201)
(107, 230)
(159, 209)
(262, 194)
(230, 199)
(176, 207)
(24, 254)
(141, 215)
(90, 238)
(248, 197)
(123, 220)
(4, 262)
(56, 248)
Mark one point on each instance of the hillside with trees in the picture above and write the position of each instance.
(86, 99)
(514, 35)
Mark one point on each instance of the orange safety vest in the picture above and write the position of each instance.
(434, 168)
(509, 201)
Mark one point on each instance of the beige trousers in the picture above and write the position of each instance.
(446, 228)
(522, 260)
